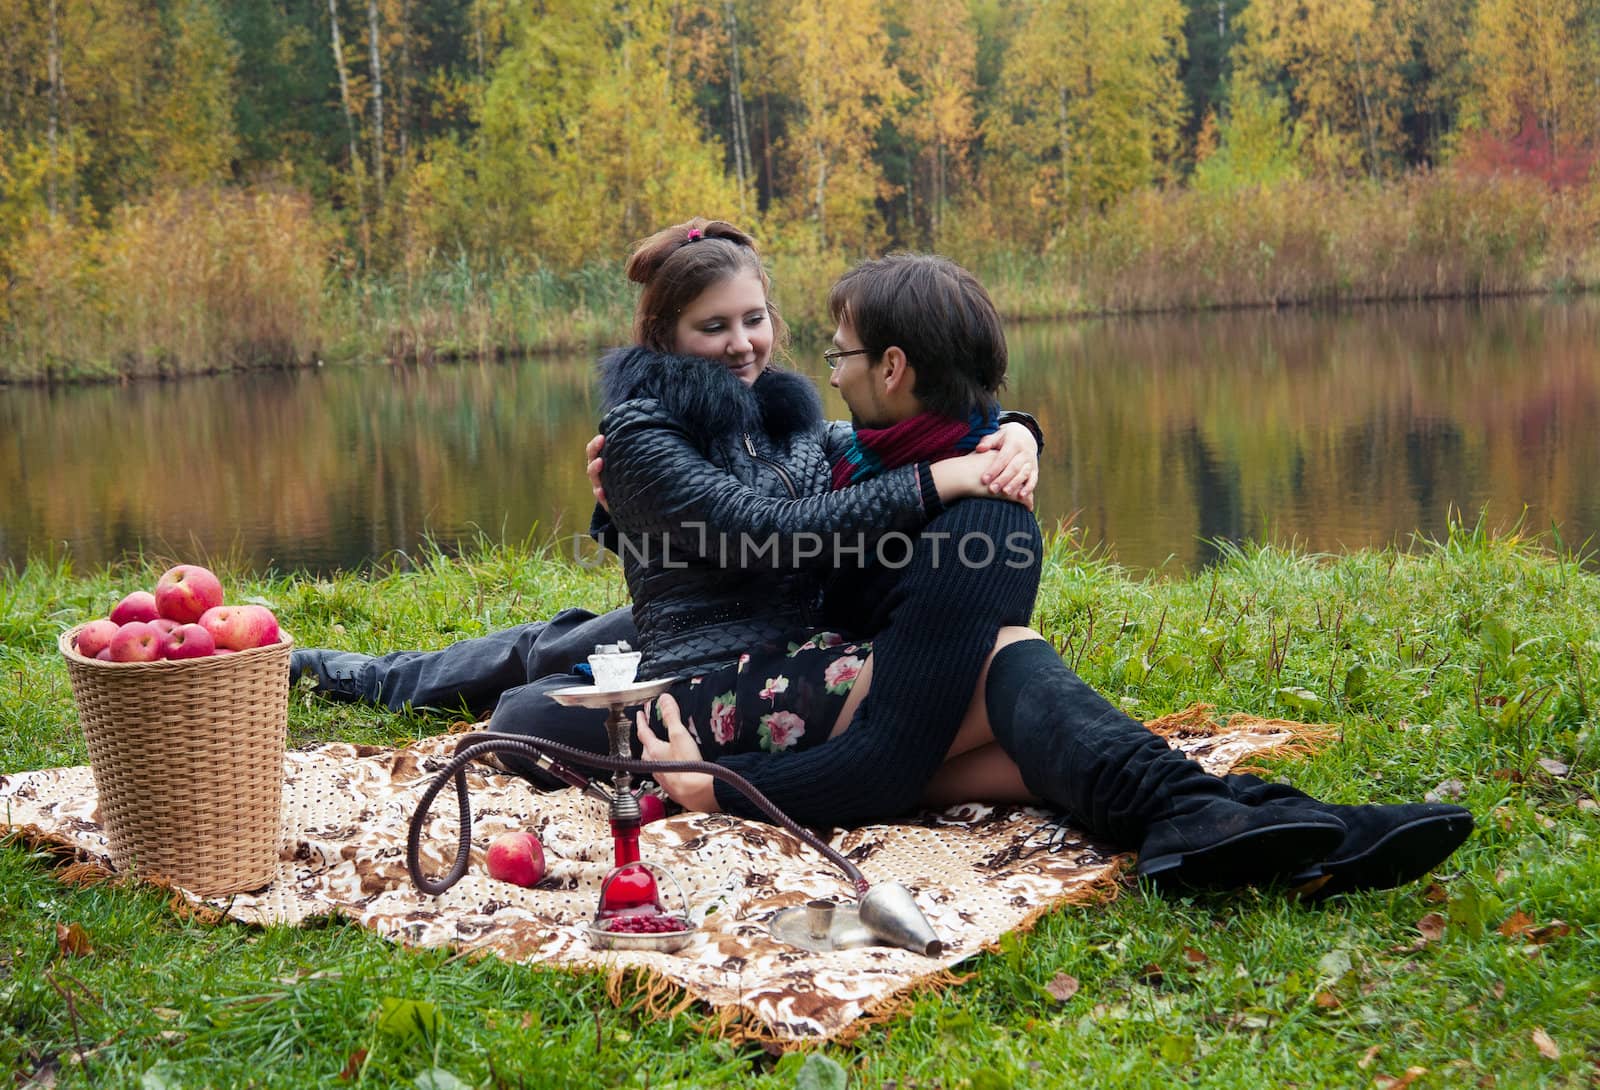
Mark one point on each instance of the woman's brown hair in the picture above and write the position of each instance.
(677, 263)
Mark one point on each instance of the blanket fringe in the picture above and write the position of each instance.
(1196, 721)
(648, 991)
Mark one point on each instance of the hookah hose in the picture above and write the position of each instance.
(536, 748)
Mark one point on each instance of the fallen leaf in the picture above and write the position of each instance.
(1431, 927)
(1398, 1082)
(1511, 775)
(1449, 789)
(1368, 1056)
(1516, 924)
(1552, 930)
(1499, 989)
(1588, 805)
(352, 1066)
(72, 941)
(1327, 1001)
(166, 1013)
(1193, 956)
(1435, 894)
(1547, 1048)
(1152, 975)
(1063, 987)
(1556, 768)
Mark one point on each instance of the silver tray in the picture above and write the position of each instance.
(662, 942)
(589, 696)
(845, 930)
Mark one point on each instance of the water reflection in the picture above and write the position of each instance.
(1332, 430)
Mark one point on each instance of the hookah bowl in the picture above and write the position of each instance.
(631, 914)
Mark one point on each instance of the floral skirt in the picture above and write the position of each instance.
(776, 702)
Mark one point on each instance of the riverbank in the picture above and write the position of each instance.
(1467, 667)
(230, 280)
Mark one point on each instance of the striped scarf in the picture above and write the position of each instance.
(926, 437)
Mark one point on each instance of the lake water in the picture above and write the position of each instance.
(1164, 435)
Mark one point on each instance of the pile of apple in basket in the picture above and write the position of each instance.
(184, 619)
(184, 705)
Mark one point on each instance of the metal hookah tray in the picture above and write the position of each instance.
(811, 927)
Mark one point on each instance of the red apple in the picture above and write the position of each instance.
(95, 637)
(187, 641)
(239, 628)
(105, 654)
(138, 606)
(136, 641)
(517, 858)
(186, 591)
(164, 625)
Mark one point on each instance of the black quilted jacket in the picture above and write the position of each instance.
(720, 496)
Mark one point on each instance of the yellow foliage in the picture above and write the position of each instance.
(1536, 58)
(193, 280)
(1342, 61)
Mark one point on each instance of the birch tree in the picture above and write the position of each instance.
(832, 55)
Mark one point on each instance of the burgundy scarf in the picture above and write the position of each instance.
(926, 437)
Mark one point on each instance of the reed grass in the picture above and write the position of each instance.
(189, 282)
(1466, 664)
(217, 280)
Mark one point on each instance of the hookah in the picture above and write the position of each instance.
(630, 913)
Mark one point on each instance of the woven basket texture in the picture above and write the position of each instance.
(188, 762)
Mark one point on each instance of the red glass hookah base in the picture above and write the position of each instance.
(631, 903)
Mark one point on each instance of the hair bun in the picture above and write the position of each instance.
(651, 253)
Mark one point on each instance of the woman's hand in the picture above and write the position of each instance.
(1014, 470)
(591, 451)
(964, 478)
(690, 790)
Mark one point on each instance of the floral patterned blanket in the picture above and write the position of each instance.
(976, 871)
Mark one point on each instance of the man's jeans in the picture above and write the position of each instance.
(511, 671)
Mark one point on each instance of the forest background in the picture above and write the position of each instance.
(193, 185)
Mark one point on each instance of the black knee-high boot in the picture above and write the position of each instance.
(1383, 846)
(1119, 781)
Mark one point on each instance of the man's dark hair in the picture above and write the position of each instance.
(938, 314)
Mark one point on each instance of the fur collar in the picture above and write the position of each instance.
(707, 397)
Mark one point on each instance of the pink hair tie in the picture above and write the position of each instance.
(695, 235)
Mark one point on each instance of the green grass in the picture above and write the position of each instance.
(1477, 656)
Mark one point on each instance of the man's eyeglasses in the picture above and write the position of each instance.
(834, 355)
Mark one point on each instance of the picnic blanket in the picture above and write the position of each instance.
(976, 871)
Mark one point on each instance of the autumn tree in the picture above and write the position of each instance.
(1339, 63)
(935, 53)
(1536, 59)
(196, 141)
(1091, 106)
(832, 58)
(584, 142)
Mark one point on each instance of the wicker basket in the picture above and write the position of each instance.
(188, 762)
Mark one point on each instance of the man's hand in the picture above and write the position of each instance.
(1015, 469)
(597, 463)
(690, 790)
